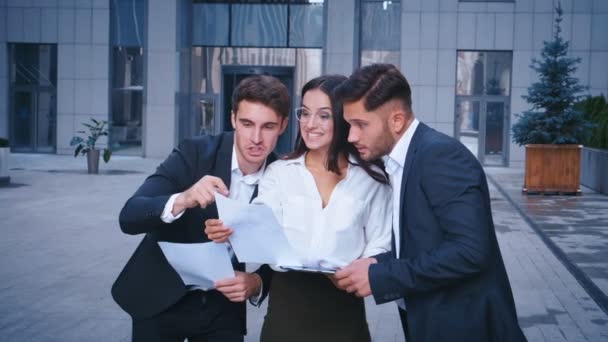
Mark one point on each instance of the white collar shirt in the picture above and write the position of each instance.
(394, 163)
(354, 223)
(243, 186)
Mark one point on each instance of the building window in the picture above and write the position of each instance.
(486, 0)
(380, 32)
(225, 41)
(127, 25)
(483, 89)
(245, 24)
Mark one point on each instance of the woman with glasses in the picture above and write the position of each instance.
(334, 208)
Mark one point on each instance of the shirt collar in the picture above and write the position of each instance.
(397, 156)
(250, 179)
(302, 161)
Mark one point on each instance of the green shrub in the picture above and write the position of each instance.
(595, 109)
(4, 142)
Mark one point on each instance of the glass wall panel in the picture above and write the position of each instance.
(495, 119)
(306, 25)
(127, 21)
(210, 24)
(45, 122)
(378, 56)
(127, 75)
(23, 119)
(127, 99)
(34, 64)
(467, 115)
(259, 25)
(380, 32)
(483, 89)
(483, 73)
(207, 63)
(381, 25)
(32, 97)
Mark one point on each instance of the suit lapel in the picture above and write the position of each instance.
(223, 159)
(409, 159)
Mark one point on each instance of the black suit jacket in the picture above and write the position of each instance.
(148, 284)
(449, 269)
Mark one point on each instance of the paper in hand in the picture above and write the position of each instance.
(199, 264)
(257, 236)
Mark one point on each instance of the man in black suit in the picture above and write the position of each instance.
(445, 266)
(173, 204)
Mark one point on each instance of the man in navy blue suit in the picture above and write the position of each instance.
(445, 270)
(173, 205)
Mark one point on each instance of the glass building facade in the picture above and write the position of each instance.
(163, 70)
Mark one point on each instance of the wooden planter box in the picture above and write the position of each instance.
(553, 169)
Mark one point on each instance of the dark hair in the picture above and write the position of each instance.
(376, 84)
(263, 89)
(339, 145)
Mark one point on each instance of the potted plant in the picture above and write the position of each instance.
(553, 129)
(594, 158)
(4, 153)
(87, 145)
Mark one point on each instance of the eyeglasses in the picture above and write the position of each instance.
(304, 115)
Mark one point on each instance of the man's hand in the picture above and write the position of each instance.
(216, 231)
(200, 194)
(354, 278)
(241, 287)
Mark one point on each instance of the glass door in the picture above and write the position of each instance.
(483, 90)
(496, 125)
(33, 113)
(482, 126)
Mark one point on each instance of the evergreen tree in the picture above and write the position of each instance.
(553, 119)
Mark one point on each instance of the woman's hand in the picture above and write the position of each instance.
(216, 231)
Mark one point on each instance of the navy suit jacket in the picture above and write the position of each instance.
(148, 284)
(449, 269)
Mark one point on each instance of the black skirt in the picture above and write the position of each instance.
(308, 307)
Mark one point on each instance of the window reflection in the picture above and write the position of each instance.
(127, 98)
(380, 32)
(128, 36)
(483, 73)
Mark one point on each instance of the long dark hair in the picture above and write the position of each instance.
(339, 145)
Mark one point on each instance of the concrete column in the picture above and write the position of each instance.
(160, 130)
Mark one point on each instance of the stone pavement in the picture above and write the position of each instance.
(62, 248)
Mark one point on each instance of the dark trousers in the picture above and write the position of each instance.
(199, 317)
(406, 330)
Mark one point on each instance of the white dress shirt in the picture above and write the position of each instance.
(355, 222)
(394, 163)
(241, 189)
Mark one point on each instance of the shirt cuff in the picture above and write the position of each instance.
(167, 216)
(255, 300)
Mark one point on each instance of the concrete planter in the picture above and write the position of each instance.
(4, 153)
(594, 169)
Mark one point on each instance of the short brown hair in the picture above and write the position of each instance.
(263, 89)
(377, 84)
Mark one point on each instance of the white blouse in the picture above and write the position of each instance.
(355, 223)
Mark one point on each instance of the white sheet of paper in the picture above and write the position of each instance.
(199, 264)
(257, 236)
